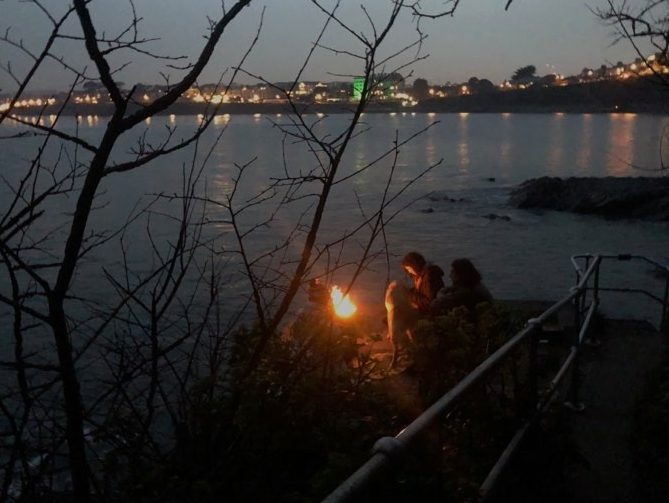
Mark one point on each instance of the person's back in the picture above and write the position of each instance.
(467, 289)
(467, 296)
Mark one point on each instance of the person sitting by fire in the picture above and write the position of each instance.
(467, 289)
(427, 281)
(405, 306)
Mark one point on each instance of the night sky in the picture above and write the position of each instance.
(480, 40)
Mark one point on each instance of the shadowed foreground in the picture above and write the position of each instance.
(591, 457)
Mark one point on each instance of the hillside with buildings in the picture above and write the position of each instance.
(639, 86)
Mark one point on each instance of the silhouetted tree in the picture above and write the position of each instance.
(421, 90)
(524, 72)
(92, 85)
(486, 86)
(157, 332)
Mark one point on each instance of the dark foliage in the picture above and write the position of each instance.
(320, 399)
(651, 440)
(524, 72)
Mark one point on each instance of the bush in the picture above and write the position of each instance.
(308, 416)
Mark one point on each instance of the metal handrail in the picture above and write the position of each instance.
(663, 301)
(388, 450)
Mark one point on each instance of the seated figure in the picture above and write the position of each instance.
(467, 288)
(405, 306)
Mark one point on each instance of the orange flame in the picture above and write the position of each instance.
(342, 304)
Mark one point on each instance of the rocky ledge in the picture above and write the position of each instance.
(645, 198)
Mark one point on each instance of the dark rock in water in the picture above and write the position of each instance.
(437, 197)
(491, 179)
(427, 210)
(493, 216)
(639, 197)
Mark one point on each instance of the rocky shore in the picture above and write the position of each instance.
(645, 198)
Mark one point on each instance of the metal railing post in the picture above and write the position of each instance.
(595, 293)
(533, 391)
(577, 312)
(664, 323)
(573, 401)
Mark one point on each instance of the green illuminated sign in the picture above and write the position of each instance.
(358, 87)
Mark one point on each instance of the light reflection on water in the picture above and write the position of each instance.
(463, 147)
(527, 257)
(585, 144)
(622, 143)
(556, 150)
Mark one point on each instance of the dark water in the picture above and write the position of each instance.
(484, 156)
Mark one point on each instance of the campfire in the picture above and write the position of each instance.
(342, 304)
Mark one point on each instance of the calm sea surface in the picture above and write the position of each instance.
(483, 157)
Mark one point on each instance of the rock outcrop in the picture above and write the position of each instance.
(645, 198)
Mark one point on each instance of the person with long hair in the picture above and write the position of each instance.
(467, 288)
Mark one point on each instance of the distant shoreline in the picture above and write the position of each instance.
(641, 96)
(190, 109)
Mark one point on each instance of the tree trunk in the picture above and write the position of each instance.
(73, 403)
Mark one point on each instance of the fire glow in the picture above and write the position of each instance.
(342, 304)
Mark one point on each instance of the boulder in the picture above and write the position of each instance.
(612, 197)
